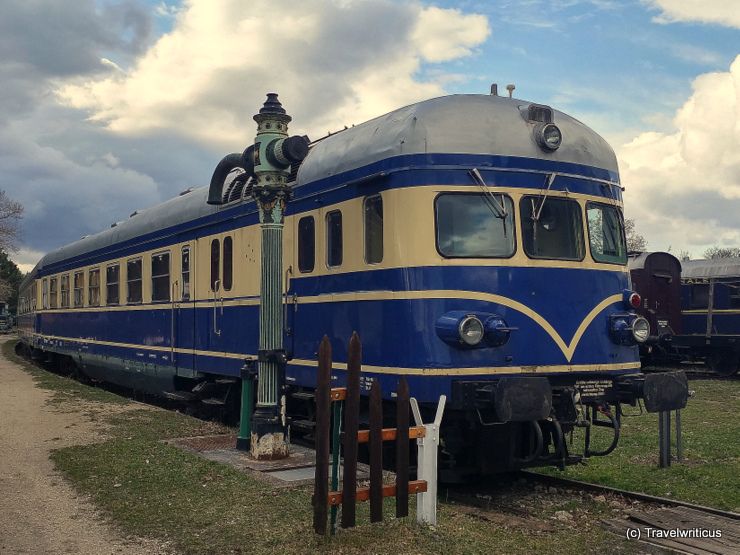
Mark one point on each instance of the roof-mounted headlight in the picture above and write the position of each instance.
(548, 136)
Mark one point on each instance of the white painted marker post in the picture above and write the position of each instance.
(427, 447)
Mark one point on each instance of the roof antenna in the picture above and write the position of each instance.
(510, 88)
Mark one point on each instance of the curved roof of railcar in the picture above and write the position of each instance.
(464, 124)
(712, 268)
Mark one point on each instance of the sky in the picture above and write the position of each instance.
(109, 106)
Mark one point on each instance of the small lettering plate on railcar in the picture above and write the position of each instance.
(593, 388)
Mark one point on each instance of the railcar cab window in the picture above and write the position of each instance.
(79, 287)
(475, 225)
(306, 244)
(112, 295)
(334, 247)
(65, 291)
(53, 293)
(215, 264)
(133, 281)
(186, 273)
(552, 228)
(93, 287)
(373, 229)
(606, 233)
(161, 277)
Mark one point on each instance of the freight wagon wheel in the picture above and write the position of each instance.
(724, 364)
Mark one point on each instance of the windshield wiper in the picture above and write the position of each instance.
(499, 210)
(550, 180)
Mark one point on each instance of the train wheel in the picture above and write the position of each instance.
(724, 364)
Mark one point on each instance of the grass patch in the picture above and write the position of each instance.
(152, 489)
(710, 473)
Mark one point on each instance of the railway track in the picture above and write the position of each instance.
(666, 525)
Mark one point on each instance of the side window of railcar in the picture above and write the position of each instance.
(334, 247)
(186, 273)
(475, 225)
(133, 280)
(699, 295)
(373, 229)
(79, 288)
(215, 263)
(552, 228)
(112, 285)
(93, 287)
(306, 244)
(65, 291)
(161, 277)
(45, 294)
(606, 233)
(34, 295)
(53, 293)
(228, 262)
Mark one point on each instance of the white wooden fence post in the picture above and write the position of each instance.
(427, 447)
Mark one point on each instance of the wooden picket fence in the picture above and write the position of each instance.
(329, 402)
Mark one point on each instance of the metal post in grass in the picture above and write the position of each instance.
(273, 152)
(243, 440)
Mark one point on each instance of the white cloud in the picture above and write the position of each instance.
(333, 63)
(683, 186)
(441, 35)
(721, 12)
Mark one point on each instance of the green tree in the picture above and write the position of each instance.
(635, 241)
(10, 281)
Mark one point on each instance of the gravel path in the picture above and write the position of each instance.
(39, 511)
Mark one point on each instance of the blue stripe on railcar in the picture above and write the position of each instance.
(411, 170)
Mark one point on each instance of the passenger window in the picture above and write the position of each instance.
(161, 277)
(65, 291)
(475, 225)
(93, 287)
(552, 228)
(112, 286)
(228, 262)
(45, 294)
(53, 293)
(78, 288)
(306, 244)
(133, 281)
(374, 229)
(334, 238)
(734, 294)
(186, 273)
(215, 262)
(700, 295)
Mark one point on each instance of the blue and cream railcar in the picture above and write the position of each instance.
(475, 242)
(710, 300)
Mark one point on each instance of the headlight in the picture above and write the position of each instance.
(548, 136)
(471, 330)
(640, 329)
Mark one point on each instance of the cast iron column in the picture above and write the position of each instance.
(274, 152)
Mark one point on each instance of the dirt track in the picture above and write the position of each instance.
(39, 512)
